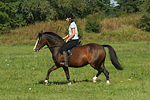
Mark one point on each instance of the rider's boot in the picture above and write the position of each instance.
(65, 55)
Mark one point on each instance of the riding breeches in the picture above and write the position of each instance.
(70, 44)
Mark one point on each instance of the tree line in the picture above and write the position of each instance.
(16, 13)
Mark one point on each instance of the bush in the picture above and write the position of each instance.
(37, 10)
(4, 28)
(92, 23)
(145, 22)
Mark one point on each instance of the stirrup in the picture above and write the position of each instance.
(63, 63)
(66, 63)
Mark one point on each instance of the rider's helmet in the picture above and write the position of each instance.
(69, 15)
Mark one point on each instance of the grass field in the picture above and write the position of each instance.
(22, 73)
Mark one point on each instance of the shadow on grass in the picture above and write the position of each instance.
(62, 83)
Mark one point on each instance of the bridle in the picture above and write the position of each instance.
(41, 41)
(53, 46)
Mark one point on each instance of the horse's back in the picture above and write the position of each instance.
(92, 46)
(96, 51)
(87, 53)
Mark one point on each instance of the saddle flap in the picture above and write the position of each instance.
(70, 52)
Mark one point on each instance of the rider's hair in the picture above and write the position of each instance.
(69, 15)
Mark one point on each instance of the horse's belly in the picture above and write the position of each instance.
(77, 65)
(77, 60)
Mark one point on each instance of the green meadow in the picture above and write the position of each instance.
(23, 71)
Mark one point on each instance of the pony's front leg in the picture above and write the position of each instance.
(54, 67)
(67, 74)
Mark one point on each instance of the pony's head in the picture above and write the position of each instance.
(40, 42)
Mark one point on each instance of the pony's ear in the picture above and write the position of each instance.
(41, 31)
(40, 34)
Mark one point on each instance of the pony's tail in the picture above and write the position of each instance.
(113, 57)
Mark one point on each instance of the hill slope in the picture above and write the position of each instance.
(114, 30)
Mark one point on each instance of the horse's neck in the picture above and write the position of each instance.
(54, 47)
(53, 44)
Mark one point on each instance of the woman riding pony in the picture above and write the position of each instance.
(71, 38)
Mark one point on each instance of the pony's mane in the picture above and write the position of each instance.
(53, 35)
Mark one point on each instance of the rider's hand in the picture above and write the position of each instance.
(67, 40)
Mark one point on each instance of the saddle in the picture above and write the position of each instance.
(71, 51)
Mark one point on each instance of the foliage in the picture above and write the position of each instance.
(144, 22)
(77, 7)
(24, 12)
(127, 6)
(95, 6)
(120, 29)
(112, 12)
(144, 5)
(37, 10)
(7, 13)
(17, 13)
(92, 23)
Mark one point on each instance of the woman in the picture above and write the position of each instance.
(71, 39)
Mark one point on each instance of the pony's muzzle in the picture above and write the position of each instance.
(35, 50)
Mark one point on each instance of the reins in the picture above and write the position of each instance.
(53, 46)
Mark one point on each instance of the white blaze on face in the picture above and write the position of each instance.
(36, 44)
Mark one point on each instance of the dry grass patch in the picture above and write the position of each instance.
(116, 23)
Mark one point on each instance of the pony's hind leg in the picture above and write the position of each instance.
(95, 77)
(100, 70)
(106, 73)
(99, 67)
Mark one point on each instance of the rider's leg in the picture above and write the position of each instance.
(68, 46)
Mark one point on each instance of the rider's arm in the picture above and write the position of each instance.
(66, 37)
(72, 35)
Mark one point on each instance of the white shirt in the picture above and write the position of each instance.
(73, 25)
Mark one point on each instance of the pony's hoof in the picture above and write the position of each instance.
(46, 82)
(94, 79)
(107, 82)
(69, 83)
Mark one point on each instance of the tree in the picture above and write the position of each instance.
(127, 6)
(95, 6)
(22, 12)
(92, 23)
(77, 7)
(145, 20)
(37, 10)
(7, 13)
